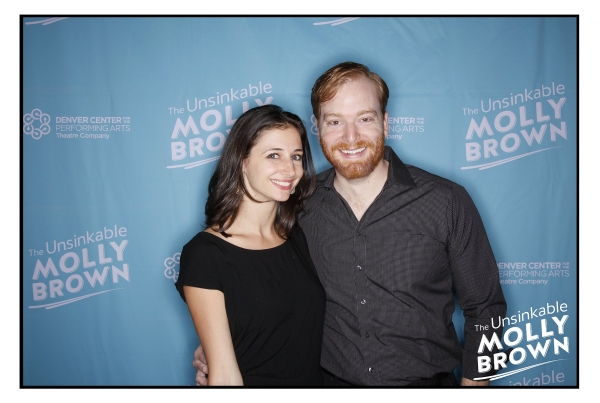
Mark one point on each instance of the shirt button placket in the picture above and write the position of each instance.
(360, 259)
(362, 295)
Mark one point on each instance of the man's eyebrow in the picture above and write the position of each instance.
(337, 115)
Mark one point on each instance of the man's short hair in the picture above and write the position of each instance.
(330, 82)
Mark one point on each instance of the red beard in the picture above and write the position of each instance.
(359, 169)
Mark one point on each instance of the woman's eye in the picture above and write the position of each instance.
(297, 157)
(274, 155)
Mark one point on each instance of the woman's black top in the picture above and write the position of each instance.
(274, 302)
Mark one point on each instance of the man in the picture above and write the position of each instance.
(391, 243)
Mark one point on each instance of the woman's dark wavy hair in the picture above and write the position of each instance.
(222, 205)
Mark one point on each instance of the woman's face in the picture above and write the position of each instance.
(274, 166)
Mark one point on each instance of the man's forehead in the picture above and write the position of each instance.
(358, 85)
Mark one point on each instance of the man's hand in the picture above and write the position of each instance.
(201, 365)
(464, 382)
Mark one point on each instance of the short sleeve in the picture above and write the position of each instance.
(200, 265)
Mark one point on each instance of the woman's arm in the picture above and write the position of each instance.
(207, 308)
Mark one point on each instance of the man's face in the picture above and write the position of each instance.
(352, 129)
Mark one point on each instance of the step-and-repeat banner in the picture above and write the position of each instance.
(124, 119)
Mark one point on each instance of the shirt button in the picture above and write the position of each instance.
(371, 369)
(359, 268)
(367, 335)
(364, 301)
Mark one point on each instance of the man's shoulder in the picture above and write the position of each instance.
(317, 196)
(440, 187)
(426, 178)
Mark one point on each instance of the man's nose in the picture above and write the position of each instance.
(350, 134)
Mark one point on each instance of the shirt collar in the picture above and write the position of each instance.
(397, 172)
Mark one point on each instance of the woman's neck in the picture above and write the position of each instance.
(253, 227)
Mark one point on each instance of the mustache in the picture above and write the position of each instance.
(345, 146)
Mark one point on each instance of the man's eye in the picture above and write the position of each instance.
(334, 122)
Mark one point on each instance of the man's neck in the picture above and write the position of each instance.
(360, 193)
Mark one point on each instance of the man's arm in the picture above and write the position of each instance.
(476, 282)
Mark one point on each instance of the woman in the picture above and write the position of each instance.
(251, 288)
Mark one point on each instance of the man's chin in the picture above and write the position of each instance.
(354, 170)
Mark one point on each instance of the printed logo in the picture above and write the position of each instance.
(91, 127)
(520, 125)
(399, 126)
(542, 340)
(198, 133)
(172, 267)
(80, 267)
(36, 124)
(532, 273)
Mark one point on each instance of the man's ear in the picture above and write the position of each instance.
(386, 126)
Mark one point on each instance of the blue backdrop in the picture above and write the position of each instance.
(123, 119)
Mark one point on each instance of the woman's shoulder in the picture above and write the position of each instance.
(207, 237)
(204, 243)
(201, 262)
